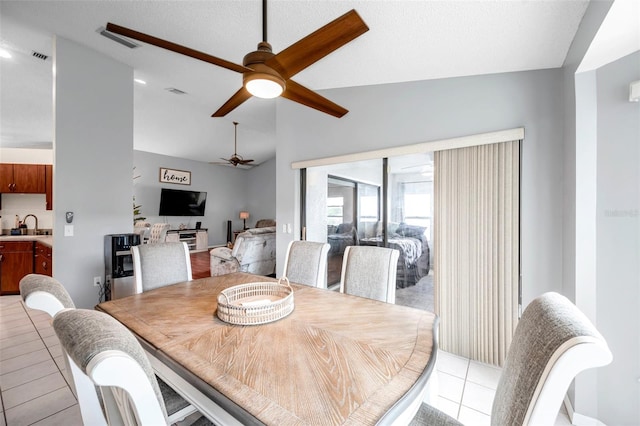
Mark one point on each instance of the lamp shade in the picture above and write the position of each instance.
(244, 215)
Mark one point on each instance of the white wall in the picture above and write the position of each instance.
(225, 188)
(578, 254)
(260, 192)
(406, 113)
(618, 240)
(93, 159)
(584, 249)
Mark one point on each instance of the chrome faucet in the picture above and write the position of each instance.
(35, 230)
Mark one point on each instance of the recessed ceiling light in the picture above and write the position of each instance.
(4, 53)
(137, 80)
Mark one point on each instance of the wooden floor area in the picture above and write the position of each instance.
(200, 264)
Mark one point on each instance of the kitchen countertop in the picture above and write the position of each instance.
(45, 239)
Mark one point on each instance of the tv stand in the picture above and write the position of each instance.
(196, 239)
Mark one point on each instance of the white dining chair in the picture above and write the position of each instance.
(553, 342)
(158, 265)
(47, 294)
(369, 271)
(111, 357)
(306, 263)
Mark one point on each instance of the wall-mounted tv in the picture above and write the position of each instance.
(174, 202)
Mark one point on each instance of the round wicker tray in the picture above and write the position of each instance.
(255, 303)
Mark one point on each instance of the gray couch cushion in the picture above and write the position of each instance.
(255, 251)
(258, 231)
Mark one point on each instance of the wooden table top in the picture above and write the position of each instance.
(336, 359)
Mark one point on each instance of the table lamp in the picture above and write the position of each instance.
(244, 216)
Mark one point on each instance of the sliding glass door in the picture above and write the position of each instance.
(343, 206)
(454, 221)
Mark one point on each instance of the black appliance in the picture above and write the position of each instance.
(118, 263)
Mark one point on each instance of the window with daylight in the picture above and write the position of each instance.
(417, 203)
(335, 210)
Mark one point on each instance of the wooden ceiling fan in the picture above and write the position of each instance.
(265, 74)
(235, 159)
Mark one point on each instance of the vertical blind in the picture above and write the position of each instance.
(476, 249)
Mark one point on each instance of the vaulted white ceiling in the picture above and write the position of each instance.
(407, 41)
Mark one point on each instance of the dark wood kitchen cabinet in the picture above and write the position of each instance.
(48, 181)
(16, 261)
(42, 261)
(22, 178)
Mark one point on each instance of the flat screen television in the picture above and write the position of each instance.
(175, 202)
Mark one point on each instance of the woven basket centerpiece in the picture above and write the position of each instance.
(255, 303)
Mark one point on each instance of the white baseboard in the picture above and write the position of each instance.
(577, 418)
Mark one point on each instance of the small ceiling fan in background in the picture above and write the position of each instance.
(267, 75)
(235, 159)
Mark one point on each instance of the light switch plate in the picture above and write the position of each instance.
(68, 230)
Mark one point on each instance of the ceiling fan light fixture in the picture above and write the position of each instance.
(262, 85)
(263, 82)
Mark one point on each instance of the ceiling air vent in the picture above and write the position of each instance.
(175, 91)
(39, 55)
(111, 36)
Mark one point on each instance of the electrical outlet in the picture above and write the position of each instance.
(96, 281)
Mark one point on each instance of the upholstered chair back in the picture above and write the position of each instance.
(47, 294)
(369, 271)
(552, 344)
(158, 265)
(158, 233)
(550, 327)
(306, 263)
(113, 359)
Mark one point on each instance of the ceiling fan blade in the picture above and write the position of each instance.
(298, 93)
(318, 44)
(136, 35)
(235, 101)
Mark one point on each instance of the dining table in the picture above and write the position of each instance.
(335, 359)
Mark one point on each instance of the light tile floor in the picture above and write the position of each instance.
(34, 390)
(466, 389)
(33, 387)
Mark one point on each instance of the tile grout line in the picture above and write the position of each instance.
(51, 357)
(48, 350)
(40, 396)
(464, 386)
(4, 410)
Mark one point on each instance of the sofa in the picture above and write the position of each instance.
(254, 251)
